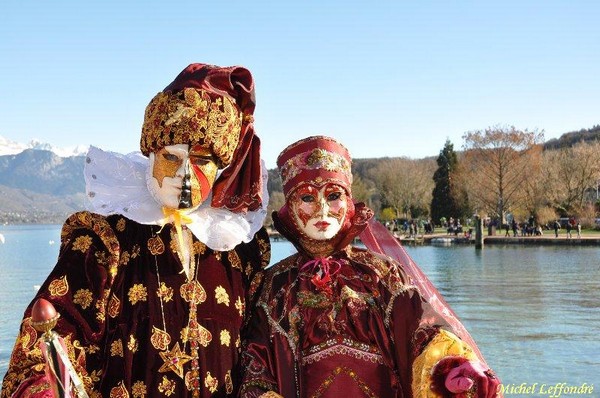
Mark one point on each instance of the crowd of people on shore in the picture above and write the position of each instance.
(411, 228)
(531, 228)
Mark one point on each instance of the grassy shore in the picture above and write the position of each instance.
(562, 233)
(589, 237)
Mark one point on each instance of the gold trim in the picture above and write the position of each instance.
(194, 117)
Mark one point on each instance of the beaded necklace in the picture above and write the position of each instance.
(192, 292)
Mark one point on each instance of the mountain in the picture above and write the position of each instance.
(38, 186)
(574, 137)
(9, 147)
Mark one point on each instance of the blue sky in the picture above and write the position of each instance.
(387, 78)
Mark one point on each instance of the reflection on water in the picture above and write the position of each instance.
(534, 311)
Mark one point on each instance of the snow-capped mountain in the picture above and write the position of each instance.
(9, 147)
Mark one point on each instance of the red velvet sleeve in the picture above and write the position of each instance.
(79, 288)
(258, 358)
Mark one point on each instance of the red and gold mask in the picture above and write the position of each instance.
(180, 177)
(319, 212)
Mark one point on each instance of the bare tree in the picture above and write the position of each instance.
(575, 170)
(535, 200)
(497, 163)
(361, 192)
(405, 184)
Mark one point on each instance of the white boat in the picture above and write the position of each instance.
(442, 241)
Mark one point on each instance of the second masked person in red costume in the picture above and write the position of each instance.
(334, 320)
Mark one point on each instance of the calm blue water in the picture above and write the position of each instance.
(534, 311)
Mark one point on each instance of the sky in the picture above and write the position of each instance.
(386, 78)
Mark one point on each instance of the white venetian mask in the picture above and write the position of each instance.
(174, 165)
(319, 212)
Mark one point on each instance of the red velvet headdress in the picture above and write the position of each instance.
(317, 160)
(212, 106)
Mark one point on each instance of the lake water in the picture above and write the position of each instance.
(534, 311)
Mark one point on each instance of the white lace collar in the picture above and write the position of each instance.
(116, 184)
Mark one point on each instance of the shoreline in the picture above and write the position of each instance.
(445, 239)
(503, 240)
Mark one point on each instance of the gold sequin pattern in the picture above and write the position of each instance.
(193, 117)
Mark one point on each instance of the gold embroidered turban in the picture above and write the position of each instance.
(195, 117)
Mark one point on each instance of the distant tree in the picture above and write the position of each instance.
(535, 200)
(404, 184)
(573, 138)
(497, 163)
(448, 197)
(276, 201)
(575, 170)
(387, 214)
(274, 181)
(361, 192)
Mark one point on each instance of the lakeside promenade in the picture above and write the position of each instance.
(548, 239)
(587, 239)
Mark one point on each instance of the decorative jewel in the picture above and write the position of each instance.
(114, 304)
(121, 225)
(59, 287)
(228, 382)
(225, 337)
(211, 382)
(160, 339)
(193, 292)
(221, 295)
(83, 297)
(132, 344)
(139, 389)
(28, 335)
(165, 292)
(167, 386)
(174, 360)
(137, 293)
(239, 305)
(198, 333)
(119, 391)
(156, 245)
(116, 348)
(82, 243)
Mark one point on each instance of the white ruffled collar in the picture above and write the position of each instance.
(116, 184)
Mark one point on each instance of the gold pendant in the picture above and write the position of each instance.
(160, 339)
(193, 292)
(199, 334)
(174, 360)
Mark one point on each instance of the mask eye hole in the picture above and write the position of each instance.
(307, 198)
(201, 160)
(171, 157)
(334, 196)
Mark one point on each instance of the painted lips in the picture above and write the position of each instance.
(322, 225)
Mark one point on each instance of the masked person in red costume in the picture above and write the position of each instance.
(154, 286)
(334, 320)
